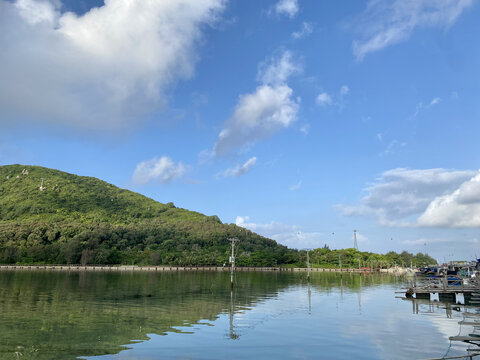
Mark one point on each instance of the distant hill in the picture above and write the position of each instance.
(49, 216)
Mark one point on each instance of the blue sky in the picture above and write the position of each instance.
(301, 120)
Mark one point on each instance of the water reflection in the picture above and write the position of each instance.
(47, 315)
(459, 327)
(232, 333)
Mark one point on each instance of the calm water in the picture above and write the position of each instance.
(106, 316)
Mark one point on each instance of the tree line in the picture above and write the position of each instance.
(147, 243)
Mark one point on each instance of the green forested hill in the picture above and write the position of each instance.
(49, 216)
(76, 219)
(72, 197)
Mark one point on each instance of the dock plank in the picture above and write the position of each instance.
(464, 338)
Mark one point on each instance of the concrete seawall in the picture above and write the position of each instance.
(168, 268)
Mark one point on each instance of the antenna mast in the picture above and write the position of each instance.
(355, 245)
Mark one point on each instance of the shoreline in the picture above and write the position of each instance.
(133, 268)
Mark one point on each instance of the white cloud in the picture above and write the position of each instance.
(276, 71)
(399, 194)
(461, 208)
(392, 147)
(289, 235)
(384, 23)
(305, 30)
(161, 170)
(305, 129)
(421, 106)
(296, 186)
(435, 101)
(344, 90)
(240, 170)
(104, 69)
(264, 112)
(287, 7)
(36, 11)
(361, 238)
(323, 99)
(427, 241)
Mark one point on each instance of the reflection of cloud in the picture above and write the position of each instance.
(424, 333)
(384, 328)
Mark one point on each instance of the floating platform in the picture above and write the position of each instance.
(463, 296)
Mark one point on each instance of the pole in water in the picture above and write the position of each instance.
(232, 312)
(309, 299)
(308, 265)
(232, 260)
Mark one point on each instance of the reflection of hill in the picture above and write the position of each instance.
(49, 315)
(351, 282)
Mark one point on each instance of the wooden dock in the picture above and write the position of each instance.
(471, 338)
(466, 291)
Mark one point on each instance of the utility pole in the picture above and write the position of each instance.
(355, 245)
(308, 265)
(340, 261)
(232, 260)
